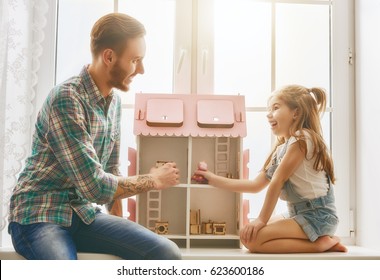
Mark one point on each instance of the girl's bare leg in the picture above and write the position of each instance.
(286, 236)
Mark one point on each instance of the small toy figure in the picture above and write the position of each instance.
(162, 227)
(202, 166)
(199, 178)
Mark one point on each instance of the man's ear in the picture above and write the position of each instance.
(108, 56)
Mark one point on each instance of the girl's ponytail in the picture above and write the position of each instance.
(320, 97)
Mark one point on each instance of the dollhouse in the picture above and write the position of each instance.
(189, 129)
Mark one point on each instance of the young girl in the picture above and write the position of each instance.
(300, 171)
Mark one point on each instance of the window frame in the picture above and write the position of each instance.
(188, 64)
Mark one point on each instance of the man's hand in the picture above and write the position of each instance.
(165, 176)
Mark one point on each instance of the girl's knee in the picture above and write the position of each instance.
(251, 246)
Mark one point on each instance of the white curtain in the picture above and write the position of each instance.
(21, 35)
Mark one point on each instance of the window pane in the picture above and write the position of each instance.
(75, 21)
(258, 142)
(326, 128)
(159, 22)
(303, 45)
(242, 50)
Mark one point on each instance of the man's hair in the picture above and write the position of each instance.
(112, 31)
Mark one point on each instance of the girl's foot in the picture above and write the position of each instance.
(337, 247)
(329, 244)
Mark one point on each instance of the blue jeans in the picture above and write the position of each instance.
(107, 234)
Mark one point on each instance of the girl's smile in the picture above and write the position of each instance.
(280, 117)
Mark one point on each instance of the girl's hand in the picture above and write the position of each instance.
(201, 175)
(206, 174)
(249, 232)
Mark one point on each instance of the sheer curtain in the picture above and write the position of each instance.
(21, 35)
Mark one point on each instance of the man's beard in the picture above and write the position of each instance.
(117, 78)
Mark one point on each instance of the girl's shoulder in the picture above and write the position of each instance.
(303, 135)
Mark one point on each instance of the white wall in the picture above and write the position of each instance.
(367, 14)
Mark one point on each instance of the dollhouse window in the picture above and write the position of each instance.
(164, 112)
(215, 113)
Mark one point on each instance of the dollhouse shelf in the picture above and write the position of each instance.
(188, 129)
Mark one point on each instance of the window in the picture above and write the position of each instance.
(243, 47)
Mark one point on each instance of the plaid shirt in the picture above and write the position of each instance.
(75, 154)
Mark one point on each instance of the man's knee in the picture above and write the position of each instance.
(165, 250)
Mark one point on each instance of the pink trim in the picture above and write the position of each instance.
(132, 154)
(190, 125)
(132, 209)
(245, 164)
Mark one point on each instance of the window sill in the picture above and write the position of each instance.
(354, 253)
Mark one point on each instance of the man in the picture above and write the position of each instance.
(74, 161)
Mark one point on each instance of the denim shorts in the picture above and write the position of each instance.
(317, 217)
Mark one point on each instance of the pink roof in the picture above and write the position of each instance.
(190, 115)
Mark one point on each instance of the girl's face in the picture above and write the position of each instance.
(280, 117)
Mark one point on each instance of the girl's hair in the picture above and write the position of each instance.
(310, 105)
(113, 31)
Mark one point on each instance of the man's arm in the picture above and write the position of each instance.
(126, 187)
(72, 144)
(160, 178)
(129, 186)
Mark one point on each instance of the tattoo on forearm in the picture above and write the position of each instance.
(115, 171)
(134, 185)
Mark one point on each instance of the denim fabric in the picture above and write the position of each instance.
(318, 216)
(107, 234)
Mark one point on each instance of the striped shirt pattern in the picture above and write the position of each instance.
(75, 156)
